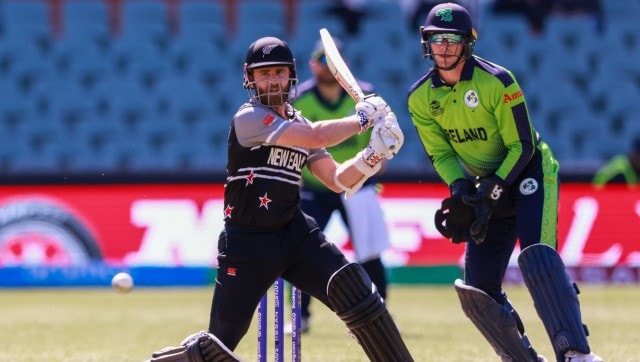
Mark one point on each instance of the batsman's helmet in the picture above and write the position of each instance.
(269, 51)
(449, 18)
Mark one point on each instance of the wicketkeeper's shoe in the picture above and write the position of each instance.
(573, 356)
(304, 326)
(542, 358)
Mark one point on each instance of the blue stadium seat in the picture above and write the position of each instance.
(630, 130)
(27, 21)
(16, 114)
(86, 20)
(146, 21)
(186, 50)
(68, 51)
(205, 152)
(508, 29)
(624, 99)
(311, 17)
(621, 58)
(571, 31)
(148, 70)
(255, 19)
(554, 98)
(69, 106)
(203, 19)
(258, 18)
(126, 51)
(583, 132)
(184, 102)
(28, 74)
(129, 105)
(564, 67)
(620, 10)
(213, 72)
(81, 62)
(13, 52)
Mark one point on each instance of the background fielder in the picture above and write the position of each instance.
(322, 97)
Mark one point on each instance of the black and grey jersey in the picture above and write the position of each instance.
(263, 182)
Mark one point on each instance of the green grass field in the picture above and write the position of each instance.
(101, 325)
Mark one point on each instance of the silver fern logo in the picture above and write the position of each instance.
(267, 49)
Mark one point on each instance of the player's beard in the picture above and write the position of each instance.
(326, 78)
(276, 97)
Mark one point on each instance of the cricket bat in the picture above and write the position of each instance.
(343, 75)
(339, 68)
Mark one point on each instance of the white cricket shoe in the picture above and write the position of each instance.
(304, 326)
(542, 358)
(573, 356)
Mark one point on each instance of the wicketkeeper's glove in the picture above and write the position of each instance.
(490, 190)
(454, 218)
(462, 186)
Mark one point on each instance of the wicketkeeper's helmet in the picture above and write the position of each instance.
(449, 18)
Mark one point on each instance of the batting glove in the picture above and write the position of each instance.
(371, 110)
(391, 135)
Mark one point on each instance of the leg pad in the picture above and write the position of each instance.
(355, 300)
(498, 324)
(555, 298)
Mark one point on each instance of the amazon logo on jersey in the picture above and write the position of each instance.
(512, 97)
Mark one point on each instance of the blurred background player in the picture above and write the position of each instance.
(624, 168)
(267, 236)
(472, 119)
(322, 97)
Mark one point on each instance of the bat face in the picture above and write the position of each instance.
(339, 68)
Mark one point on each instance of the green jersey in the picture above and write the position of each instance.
(315, 108)
(481, 123)
(618, 170)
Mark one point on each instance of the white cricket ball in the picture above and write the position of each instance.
(122, 282)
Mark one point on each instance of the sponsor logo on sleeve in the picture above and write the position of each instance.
(511, 97)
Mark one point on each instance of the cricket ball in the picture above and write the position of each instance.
(122, 282)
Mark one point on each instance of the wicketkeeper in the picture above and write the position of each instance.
(472, 118)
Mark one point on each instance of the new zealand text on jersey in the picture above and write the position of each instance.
(287, 158)
(464, 135)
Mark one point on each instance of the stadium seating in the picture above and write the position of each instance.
(87, 20)
(27, 22)
(157, 93)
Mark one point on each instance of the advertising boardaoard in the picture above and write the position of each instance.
(178, 226)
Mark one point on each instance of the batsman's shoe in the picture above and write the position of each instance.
(542, 358)
(573, 356)
(304, 327)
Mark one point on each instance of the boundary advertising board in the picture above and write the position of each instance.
(176, 226)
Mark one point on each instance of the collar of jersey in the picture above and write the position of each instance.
(467, 72)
